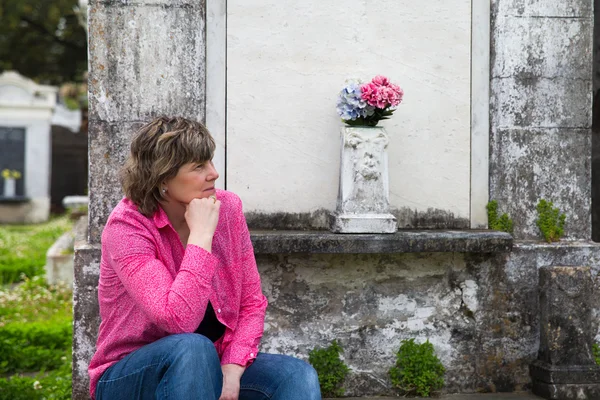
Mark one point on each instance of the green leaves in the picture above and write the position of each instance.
(550, 221)
(331, 370)
(36, 319)
(42, 40)
(371, 120)
(504, 223)
(35, 335)
(54, 385)
(596, 352)
(34, 346)
(418, 370)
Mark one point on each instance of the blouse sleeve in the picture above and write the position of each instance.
(171, 303)
(243, 348)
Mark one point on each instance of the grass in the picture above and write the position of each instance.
(35, 318)
(35, 301)
(43, 386)
(23, 248)
(35, 335)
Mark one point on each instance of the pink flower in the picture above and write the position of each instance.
(381, 93)
(369, 93)
(381, 80)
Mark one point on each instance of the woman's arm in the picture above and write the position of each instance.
(253, 304)
(172, 303)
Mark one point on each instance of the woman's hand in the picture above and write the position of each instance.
(202, 216)
(232, 374)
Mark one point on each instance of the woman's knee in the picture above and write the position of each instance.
(308, 378)
(304, 379)
(191, 348)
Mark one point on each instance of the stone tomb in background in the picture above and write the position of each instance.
(26, 110)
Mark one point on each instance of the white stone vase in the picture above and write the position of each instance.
(363, 197)
(10, 187)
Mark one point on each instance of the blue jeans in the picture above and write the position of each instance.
(187, 367)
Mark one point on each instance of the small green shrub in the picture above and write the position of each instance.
(596, 352)
(35, 335)
(331, 370)
(34, 346)
(54, 385)
(502, 223)
(418, 370)
(550, 221)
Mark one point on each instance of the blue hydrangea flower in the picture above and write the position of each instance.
(350, 104)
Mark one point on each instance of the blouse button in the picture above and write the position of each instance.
(251, 354)
(219, 310)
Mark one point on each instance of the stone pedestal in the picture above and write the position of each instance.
(565, 368)
(363, 199)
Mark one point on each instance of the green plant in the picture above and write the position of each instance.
(35, 335)
(550, 221)
(331, 370)
(418, 370)
(502, 223)
(596, 352)
(23, 248)
(34, 346)
(53, 385)
(34, 300)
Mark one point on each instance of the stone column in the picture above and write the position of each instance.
(145, 59)
(541, 104)
(565, 368)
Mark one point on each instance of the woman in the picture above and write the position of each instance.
(180, 299)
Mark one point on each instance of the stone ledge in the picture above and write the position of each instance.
(403, 241)
(14, 199)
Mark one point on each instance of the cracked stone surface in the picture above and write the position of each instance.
(541, 111)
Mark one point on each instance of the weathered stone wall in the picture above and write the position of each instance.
(145, 59)
(479, 311)
(541, 107)
(596, 128)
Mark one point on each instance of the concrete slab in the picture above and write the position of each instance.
(477, 396)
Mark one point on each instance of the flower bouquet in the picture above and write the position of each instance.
(8, 174)
(365, 104)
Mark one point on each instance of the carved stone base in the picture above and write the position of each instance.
(567, 391)
(363, 197)
(543, 372)
(363, 223)
(565, 368)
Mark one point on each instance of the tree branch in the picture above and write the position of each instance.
(42, 29)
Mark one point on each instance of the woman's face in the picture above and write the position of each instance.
(193, 181)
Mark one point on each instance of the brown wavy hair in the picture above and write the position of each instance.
(158, 150)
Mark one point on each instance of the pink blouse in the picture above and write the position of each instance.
(151, 286)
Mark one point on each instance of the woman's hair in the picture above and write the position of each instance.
(158, 150)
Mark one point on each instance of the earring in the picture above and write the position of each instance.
(164, 190)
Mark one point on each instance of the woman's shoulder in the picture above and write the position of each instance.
(229, 200)
(125, 213)
(125, 209)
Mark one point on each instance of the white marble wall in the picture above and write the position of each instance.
(286, 62)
